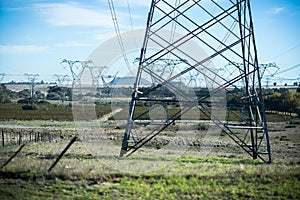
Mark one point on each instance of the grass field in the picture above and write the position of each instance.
(238, 181)
(13, 111)
(86, 176)
(59, 112)
(91, 168)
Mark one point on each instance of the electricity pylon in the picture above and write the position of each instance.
(163, 67)
(31, 79)
(209, 34)
(267, 70)
(76, 68)
(2, 75)
(96, 73)
(61, 78)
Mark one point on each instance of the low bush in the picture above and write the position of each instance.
(30, 107)
(23, 101)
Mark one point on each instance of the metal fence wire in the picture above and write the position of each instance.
(20, 136)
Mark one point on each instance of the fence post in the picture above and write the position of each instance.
(6, 136)
(62, 153)
(3, 165)
(49, 136)
(2, 134)
(20, 138)
(16, 138)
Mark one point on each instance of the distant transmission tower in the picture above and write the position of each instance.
(2, 75)
(209, 34)
(267, 70)
(164, 67)
(61, 78)
(96, 73)
(31, 78)
(76, 68)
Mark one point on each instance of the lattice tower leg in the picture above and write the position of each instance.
(204, 36)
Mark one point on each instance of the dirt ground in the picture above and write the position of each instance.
(285, 141)
(182, 140)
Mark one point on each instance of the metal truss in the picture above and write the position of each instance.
(210, 35)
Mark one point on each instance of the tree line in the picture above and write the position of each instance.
(276, 100)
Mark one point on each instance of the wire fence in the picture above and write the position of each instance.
(20, 136)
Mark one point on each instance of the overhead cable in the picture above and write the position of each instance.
(117, 30)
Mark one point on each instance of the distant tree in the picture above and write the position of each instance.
(286, 102)
(295, 84)
(24, 93)
(53, 96)
(290, 102)
(23, 101)
(39, 95)
(272, 101)
(6, 95)
(59, 93)
(30, 107)
(54, 89)
(4, 99)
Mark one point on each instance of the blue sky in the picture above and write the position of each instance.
(36, 35)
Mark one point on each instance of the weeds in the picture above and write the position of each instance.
(85, 176)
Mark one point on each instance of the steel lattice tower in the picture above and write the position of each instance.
(224, 31)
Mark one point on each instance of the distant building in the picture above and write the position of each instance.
(128, 81)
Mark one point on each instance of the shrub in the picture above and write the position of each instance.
(203, 127)
(30, 107)
(53, 96)
(43, 102)
(24, 101)
(7, 101)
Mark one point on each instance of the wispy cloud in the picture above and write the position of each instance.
(276, 10)
(73, 44)
(73, 14)
(21, 49)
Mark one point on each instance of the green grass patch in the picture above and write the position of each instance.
(219, 160)
(14, 111)
(86, 176)
(233, 185)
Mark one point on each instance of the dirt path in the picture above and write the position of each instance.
(107, 116)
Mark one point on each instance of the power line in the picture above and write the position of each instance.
(117, 30)
(173, 25)
(131, 22)
(285, 52)
(288, 69)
